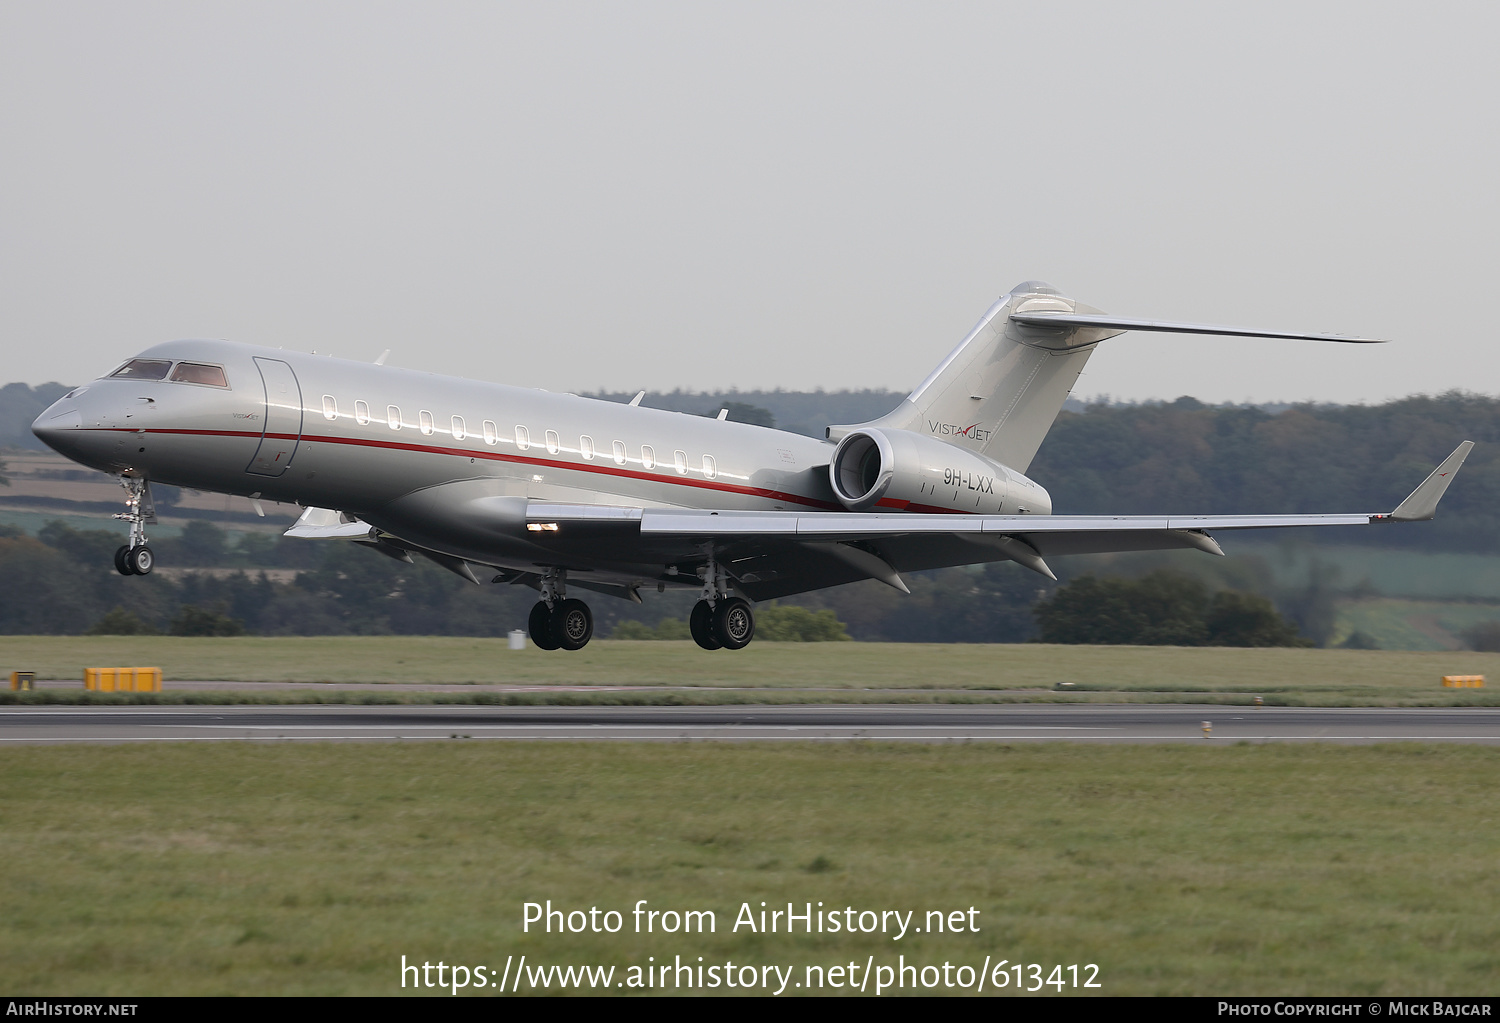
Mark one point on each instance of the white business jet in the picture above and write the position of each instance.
(554, 491)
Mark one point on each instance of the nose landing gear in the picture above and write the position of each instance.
(556, 621)
(135, 558)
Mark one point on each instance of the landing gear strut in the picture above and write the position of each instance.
(556, 621)
(720, 620)
(135, 558)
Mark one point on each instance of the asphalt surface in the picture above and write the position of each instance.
(943, 723)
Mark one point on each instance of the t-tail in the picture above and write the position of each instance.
(1000, 390)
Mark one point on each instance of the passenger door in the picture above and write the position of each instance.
(283, 429)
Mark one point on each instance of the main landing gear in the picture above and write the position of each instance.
(135, 558)
(720, 620)
(556, 621)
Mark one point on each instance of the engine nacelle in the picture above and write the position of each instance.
(874, 469)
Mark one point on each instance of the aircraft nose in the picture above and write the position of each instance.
(60, 426)
(56, 422)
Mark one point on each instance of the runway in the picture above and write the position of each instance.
(943, 723)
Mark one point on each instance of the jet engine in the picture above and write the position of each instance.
(878, 469)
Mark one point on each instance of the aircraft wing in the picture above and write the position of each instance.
(773, 553)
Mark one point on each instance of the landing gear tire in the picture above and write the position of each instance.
(701, 625)
(572, 624)
(539, 625)
(140, 560)
(121, 565)
(734, 623)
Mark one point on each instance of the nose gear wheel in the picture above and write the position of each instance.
(141, 560)
(135, 558)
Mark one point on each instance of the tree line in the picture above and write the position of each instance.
(62, 581)
(1185, 457)
(1181, 456)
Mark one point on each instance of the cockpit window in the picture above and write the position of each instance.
(144, 369)
(198, 373)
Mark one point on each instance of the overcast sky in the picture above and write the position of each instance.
(709, 195)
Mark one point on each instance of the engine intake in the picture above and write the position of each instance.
(900, 470)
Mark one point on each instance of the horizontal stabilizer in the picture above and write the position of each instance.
(1058, 320)
(1423, 502)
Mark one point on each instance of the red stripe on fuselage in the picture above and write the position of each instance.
(496, 456)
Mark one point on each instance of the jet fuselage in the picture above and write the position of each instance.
(444, 463)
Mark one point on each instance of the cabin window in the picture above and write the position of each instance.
(459, 433)
(424, 420)
(554, 442)
(619, 452)
(586, 446)
(361, 413)
(523, 438)
(491, 435)
(330, 407)
(198, 373)
(679, 459)
(144, 369)
(393, 417)
(648, 457)
(710, 468)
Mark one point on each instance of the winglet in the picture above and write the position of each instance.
(1423, 502)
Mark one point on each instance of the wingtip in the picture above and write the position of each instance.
(1421, 504)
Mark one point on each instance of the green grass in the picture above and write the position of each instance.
(311, 869)
(823, 671)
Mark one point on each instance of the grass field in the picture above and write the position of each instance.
(823, 671)
(292, 869)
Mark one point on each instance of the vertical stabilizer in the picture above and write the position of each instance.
(999, 391)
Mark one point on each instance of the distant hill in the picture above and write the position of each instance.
(19, 405)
